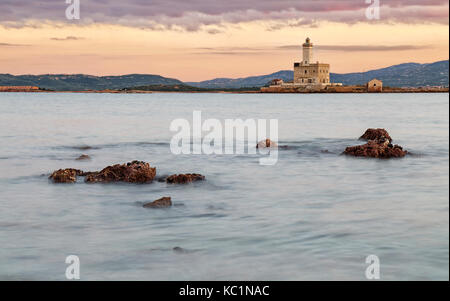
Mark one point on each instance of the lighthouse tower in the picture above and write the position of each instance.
(307, 52)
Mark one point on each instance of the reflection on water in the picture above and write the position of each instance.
(315, 215)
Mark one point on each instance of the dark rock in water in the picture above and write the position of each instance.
(161, 203)
(266, 144)
(68, 175)
(180, 250)
(184, 178)
(132, 172)
(83, 147)
(83, 157)
(379, 145)
(381, 148)
(375, 134)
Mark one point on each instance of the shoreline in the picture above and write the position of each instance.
(386, 91)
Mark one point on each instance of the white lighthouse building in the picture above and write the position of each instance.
(308, 72)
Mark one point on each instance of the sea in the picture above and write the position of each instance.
(314, 214)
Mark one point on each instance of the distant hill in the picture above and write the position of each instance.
(81, 82)
(253, 81)
(404, 75)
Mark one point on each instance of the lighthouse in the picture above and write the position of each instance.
(307, 52)
(310, 73)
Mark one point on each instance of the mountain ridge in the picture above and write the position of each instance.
(401, 75)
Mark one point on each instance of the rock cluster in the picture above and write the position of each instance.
(132, 172)
(379, 146)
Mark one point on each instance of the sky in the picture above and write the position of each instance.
(195, 40)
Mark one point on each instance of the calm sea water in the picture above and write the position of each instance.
(315, 215)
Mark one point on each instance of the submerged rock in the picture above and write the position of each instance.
(380, 148)
(83, 147)
(266, 144)
(375, 134)
(184, 178)
(132, 172)
(68, 175)
(180, 250)
(164, 202)
(83, 157)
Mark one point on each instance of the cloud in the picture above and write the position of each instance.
(229, 51)
(214, 31)
(274, 50)
(12, 45)
(68, 38)
(194, 15)
(296, 23)
(359, 48)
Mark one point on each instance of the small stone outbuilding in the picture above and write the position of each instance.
(375, 85)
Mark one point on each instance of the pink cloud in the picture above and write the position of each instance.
(193, 14)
